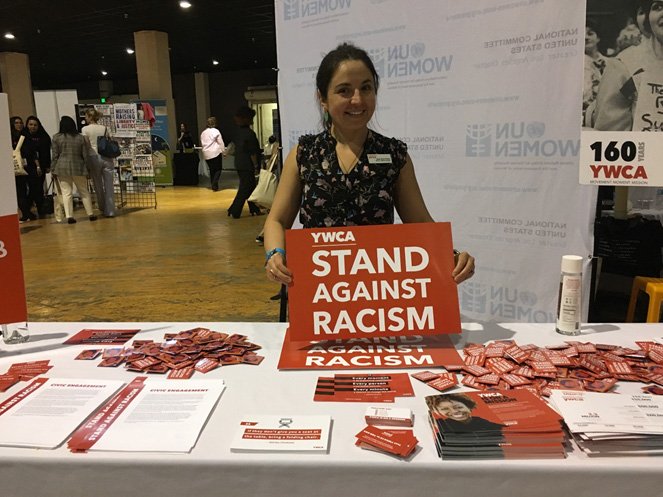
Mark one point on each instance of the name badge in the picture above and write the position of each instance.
(379, 158)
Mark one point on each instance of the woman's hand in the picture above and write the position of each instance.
(464, 267)
(277, 270)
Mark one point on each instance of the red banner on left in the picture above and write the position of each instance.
(13, 307)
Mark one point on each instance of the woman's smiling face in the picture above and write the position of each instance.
(453, 409)
(351, 97)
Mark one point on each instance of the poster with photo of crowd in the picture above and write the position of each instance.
(623, 98)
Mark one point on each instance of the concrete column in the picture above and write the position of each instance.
(17, 84)
(153, 69)
(201, 81)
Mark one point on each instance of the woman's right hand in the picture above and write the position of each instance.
(277, 271)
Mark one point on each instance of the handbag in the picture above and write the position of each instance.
(107, 147)
(263, 193)
(19, 170)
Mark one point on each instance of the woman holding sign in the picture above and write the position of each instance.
(347, 175)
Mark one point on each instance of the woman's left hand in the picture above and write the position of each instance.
(464, 267)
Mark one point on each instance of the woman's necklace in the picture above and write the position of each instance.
(351, 159)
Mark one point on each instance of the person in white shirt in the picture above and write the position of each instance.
(101, 168)
(213, 148)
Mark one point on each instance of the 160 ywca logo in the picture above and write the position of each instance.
(291, 9)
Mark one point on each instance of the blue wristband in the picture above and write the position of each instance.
(271, 253)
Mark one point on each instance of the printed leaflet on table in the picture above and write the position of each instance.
(612, 424)
(150, 416)
(260, 433)
(48, 410)
(363, 388)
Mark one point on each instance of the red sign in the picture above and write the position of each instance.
(13, 307)
(368, 281)
(101, 337)
(370, 353)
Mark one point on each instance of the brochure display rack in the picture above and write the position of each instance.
(134, 170)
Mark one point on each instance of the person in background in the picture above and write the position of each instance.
(271, 152)
(102, 169)
(40, 162)
(70, 151)
(329, 179)
(16, 128)
(247, 149)
(213, 148)
(628, 99)
(185, 140)
(270, 147)
(625, 101)
(595, 64)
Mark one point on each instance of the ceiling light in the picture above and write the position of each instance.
(215, 62)
(185, 4)
(130, 51)
(104, 73)
(9, 36)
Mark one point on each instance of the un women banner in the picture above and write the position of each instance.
(13, 307)
(367, 281)
(487, 96)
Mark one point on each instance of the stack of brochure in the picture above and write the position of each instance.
(608, 425)
(514, 424)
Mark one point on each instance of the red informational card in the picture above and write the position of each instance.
(101, 337)
(368, 281)
(397, 442)
(7, 381)
(444, 382)
(88, 355)
(363, 388)
(367, 353)
(398, 383)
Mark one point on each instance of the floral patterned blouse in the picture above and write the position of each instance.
(363, 196)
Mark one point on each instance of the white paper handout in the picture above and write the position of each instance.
(609, 413)
(48, 410)
(151, 416)
(282, 433)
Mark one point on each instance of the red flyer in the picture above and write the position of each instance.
(101, 337)
(372, 281)
(397, 442)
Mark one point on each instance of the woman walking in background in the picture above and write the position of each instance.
(101, 168)
(70, 152)
(16, 127)
(39, 164)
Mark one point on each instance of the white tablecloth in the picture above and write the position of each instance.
(212, 470)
